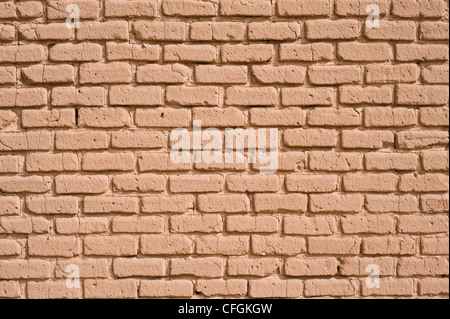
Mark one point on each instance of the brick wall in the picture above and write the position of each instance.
(86, 179)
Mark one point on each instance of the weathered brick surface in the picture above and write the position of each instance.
(88, 117)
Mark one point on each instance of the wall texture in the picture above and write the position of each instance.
(86, 179)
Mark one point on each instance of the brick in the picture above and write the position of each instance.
(311, 226)
(138, 225)
(97, 73)
(416, 224)
(47, 246)
(10, 289)
(139, 267)
(106, 205)
(334, 246)
(42, 32)
(163, 117)
(275, 288)
(370, 224)
(355, 266)
(331, 287)
(434, 203)
(57, 9)
(153, 73)
(391, 287)
(433, 286)
(432, 116)
(7, 119)
(103, 117)
(286, 246)
(198, 96)
(51, 290)
(416, 9)
(160, 30)
(434, 246)
(385, 182)
(223, 203)
(392, 203)
(307, 96)
(189, 8)
(279, 75)
(358, 7)
(311, 183)
(139, 8)
(85, 184)
(333, 117)
(217, 31)
(25, 269)
(388, 117)
(125, 95)
(28, 141)
(252, 8)
(336, 203)
(8, 75)
(166, 288)
(248, 224)
(244, 96)
(335, 161)
(222, 245)
(243, 53)
(81, 140)
(82, 225)
(167, 204)
(422, 95)
(25, 97)
(436, 74)
(19, 225)
(421, 139)
(420, 52)
(381, 74)
(334, 75)
(435, 161)
(84, 96)
(160, 162)
(422, 266)
(299, 8)
(389, 245)
(252, 267)
(64, 205)
(48, 74)
(209, 74)
(47, 118)
(109, 30)
(219, 117)
(8, 10)
(196, 224)
(434, 30)
(189, 53)
(280, 202)
(366, 139)
(277, 31)
(139, 183)
(9, 164)
(9, 205)
(366, 95)
(221, 287)
(424, 183)
(311, 267)
(198, 267)
(109, 161)
(111, 289)
(253, 184)
(166, 245)
(23, 53)
(125, 51)
(25, 184)
(306, 52)
(123, 245)
(310, 138)
(332, 30)
(270, 117)
(10, 248)
(392, 31)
